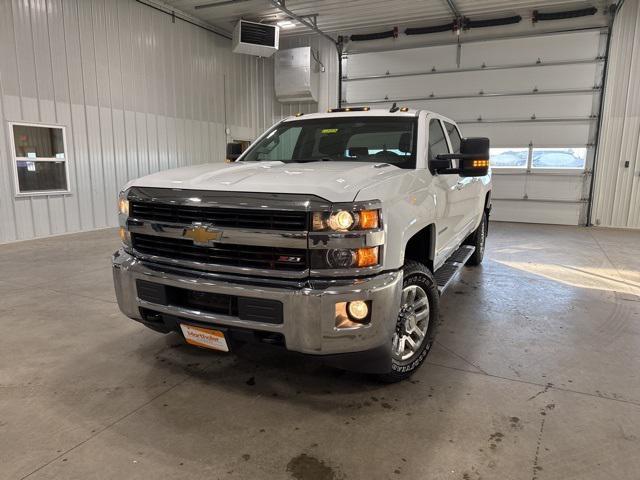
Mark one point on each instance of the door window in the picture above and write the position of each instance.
(437, 140)
(454, 136)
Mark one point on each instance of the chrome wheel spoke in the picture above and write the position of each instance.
(413, 323)
(421, 302)
(402, 345)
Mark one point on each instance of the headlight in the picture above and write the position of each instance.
(338, 258)
(125, 237)
(341, 220)
(123, 204)
(345, 220)
(123, 215)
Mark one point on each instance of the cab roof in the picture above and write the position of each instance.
(360, 112)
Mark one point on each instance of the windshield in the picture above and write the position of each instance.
(352, 139)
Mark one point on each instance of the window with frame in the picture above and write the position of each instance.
(40, 161)
(509, 157)
(437, 140)
(454, 136)
(559, 158)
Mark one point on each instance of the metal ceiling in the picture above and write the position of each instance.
(349, 16)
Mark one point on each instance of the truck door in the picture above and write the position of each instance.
(449, 212)
(469, 190)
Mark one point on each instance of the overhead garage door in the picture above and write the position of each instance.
(537, 98)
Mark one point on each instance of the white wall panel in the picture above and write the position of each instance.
(617, 186)
(136, 93)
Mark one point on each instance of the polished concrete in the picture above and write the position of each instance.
(534, 376)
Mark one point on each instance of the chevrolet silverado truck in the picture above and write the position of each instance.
(333, 235)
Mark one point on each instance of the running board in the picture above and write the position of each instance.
(449, 271)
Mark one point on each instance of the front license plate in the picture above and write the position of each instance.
(204, 337)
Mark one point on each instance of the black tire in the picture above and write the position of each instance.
(478, 239)
(415, 274)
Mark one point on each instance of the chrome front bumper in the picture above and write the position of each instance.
(308, 311)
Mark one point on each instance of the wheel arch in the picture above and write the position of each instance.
(421, 246)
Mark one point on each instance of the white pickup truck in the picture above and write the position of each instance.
(333, 236)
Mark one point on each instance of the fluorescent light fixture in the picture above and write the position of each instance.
(286, 24)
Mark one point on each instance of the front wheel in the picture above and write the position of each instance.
(416, 322)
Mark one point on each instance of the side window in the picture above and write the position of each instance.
(454, 136)
(437, 140)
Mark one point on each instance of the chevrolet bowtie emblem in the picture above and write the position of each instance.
(202, 234)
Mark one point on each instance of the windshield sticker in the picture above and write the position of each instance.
(329, 130)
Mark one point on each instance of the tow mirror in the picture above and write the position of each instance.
(234, 150)
(473, 159)
(476, 157)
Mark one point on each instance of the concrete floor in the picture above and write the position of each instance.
(534, 376)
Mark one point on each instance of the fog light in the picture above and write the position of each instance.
(341, 258)
(354, 314)
(358, 310)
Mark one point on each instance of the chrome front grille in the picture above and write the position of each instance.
(247, 233)
(280, 220)
(242, 256)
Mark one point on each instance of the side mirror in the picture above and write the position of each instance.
(234, 150)
(476, 157)
(473, 159)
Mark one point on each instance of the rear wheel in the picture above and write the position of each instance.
(416, 322)
(478, 239)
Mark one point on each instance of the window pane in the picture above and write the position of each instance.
(509, 157)
(41, 176)
(437, 141)
(454, 136)
(38, 142)
(559, 158)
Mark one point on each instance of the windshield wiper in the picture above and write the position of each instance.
(311, 160)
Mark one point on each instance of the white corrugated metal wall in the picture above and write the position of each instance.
(136, 93)
(617, 187)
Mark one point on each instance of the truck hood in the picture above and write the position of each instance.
(334, 181)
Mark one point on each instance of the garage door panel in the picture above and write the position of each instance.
(522, 51)
(506, 135)
(536, 212)
(402, 61)
(560, 187)
(543, 106)
(529, 92)
(508, 186)
(582, 46)
(518, 80)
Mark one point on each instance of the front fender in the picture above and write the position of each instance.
(408, 206)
